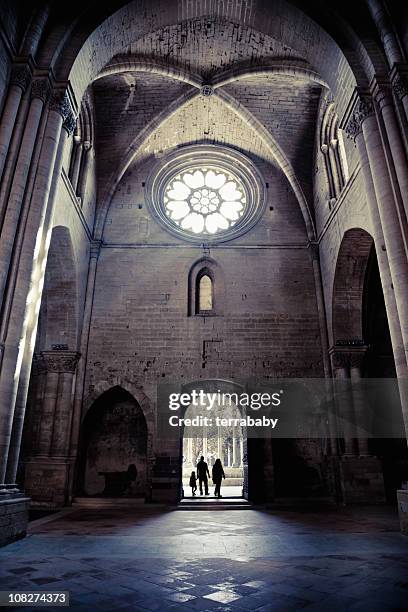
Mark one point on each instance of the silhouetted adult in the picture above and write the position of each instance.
(202, 473)
(217, 476)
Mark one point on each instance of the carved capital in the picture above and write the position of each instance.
(60, 361)
(20, 76)
(363, 108)
(41, 89)
(70, 124)
(348, 356)
(400, 86)
(60, 103)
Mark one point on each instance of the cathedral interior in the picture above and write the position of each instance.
(203, 194)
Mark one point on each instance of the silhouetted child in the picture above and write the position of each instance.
(193, 483)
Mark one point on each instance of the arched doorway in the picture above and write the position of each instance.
(216, 442)
(372, 468)
(113, 447)
(379, 363)
(227, 442)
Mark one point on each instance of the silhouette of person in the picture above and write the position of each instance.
(217, 476)
(203, 472)
(193, 482)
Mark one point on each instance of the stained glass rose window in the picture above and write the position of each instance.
(204, 200)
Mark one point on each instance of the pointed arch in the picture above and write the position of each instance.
(211, 293)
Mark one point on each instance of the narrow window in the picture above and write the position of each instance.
(205, 294)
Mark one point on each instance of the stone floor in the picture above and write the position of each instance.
(155, 559)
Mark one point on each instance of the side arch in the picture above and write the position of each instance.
(348, 289)
(115, 449)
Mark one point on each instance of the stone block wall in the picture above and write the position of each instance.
(13, 519)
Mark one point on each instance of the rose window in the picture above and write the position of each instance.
(204, 200)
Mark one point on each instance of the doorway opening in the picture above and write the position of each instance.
(226, 442)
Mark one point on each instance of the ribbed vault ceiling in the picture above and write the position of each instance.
(146, 113)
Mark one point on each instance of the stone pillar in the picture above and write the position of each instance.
(386, 31)
(205, 449)
(332, 190)
(65, 362)
(48, 407)
(241, 452)
(76, 163)
(19, 81)
(384, 99)
(81, 370)
(47, 470)
(384, 269)
(83, 175)
(400, 86)
(340, 364)
(234, 449)
(360, 407)
(27, 279)
(362, 126)
(219, 443)
(333, 157)
(16, 200)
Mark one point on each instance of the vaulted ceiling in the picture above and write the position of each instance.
(157, 105)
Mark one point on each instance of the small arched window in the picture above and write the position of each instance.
(332, 147)
(205, 300)
(205, 289)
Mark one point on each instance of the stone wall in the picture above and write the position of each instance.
(13, 519)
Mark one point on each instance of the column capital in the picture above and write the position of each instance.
(348, 355)
(400, 85)
(360, 109)
(381, 89)
(41, 89)
(70, 123)
(60, 361)
(21, 76)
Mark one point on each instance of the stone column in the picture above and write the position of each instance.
(360, 406)
(33, 251)
(76, 163)
(31, 323)
(19, 81)
(95, 247)
(205, 449)
(16, 198)
(37, 401)
(332, 190)
(363, 119)
(241, 452)
(48, 405)
(400, 86)
(384, 99)
(65, 362)
(234, 448)
(83, 175)
(333, 157)
(340, 364)
(384, 269)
